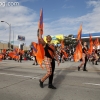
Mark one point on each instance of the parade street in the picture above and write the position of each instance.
(20, 81)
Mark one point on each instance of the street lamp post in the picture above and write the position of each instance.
(9, 33)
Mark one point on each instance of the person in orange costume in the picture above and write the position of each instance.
(84, 57)
(49, 60)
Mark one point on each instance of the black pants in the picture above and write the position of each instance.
(53, 68)
(84, 68)
(35, 59)
(20, 58)
(60, 57)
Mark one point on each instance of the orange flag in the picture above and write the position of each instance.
(21, 51)
(16, 50)
(62, 43)
(78, 52)
(11, 54)
(91, 45)
(15, 55)
(65, 54)
(4, 51)
(34, 47)
(40, 25)
(79, 33)
(96, 42)
(1, 57)
(40, 54)
(40, 49)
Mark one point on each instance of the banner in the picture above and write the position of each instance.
(55, 38)
(21, 38)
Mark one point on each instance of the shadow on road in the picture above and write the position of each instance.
(60, 76)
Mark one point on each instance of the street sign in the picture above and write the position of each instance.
(21, 38)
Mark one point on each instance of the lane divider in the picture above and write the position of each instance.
(19, 75)
(92, 84)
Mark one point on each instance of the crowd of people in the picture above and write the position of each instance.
(64, 54)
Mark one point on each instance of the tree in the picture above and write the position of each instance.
(69, 40)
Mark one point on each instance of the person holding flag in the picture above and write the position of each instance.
(47, 53)
(84, 57)
(95, 56)
(81, 51)
(49, 60)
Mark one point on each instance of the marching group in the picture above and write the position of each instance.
(52, 54)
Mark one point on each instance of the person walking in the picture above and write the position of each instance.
(95, 56)
(84, 57)
(49, 60)
(20, 57)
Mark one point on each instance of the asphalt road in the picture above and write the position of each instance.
(20, 81)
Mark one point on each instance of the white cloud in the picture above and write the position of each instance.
(92, 3)
(91, 22)
(24, 21)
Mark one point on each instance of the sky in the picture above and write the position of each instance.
(59, 17)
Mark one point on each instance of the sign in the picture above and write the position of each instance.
(21, 38)
(55, 38)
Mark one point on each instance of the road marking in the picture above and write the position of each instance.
(92, 84)
(19, 75)
(35, 78)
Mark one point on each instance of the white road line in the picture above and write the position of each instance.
(19, 76)
(35, 78)
(92, 84)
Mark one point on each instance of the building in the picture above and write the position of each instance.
(85, 37)
(56, 38)
(5, 46)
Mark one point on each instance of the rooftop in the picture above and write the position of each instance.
(87, 35)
